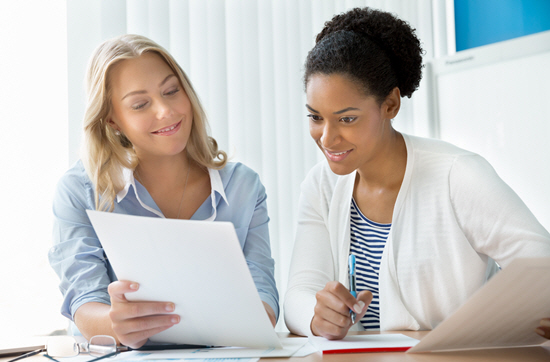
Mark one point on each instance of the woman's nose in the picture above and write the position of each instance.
(330, 135)
(164, 109)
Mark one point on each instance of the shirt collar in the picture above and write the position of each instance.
(128, 177)
(216, 185)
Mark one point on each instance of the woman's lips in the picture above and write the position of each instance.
(337, 156)
(168, 131)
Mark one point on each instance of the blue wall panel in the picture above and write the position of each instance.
(481, 22)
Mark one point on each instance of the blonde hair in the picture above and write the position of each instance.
(106, 153)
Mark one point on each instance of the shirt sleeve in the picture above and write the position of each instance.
(257, 251)
(77, 255)
(493, 217)
(312, 265)
(250, 216)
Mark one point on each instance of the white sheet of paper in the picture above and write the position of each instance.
(504, 313)
(363, 341)
(10, 344)
(198, 265)
(305, 350)
(290, 346)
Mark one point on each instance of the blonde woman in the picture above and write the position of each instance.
(147, 152)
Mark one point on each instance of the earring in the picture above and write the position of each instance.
(117, 132)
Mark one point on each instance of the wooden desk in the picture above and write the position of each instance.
(531, 354)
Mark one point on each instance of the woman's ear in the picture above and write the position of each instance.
(110, 122)
(391, 104)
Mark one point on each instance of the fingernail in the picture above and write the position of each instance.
(175, 320)
(358, 308)
(545, 322)
(170, 307)
(134, 286)
(539, 331)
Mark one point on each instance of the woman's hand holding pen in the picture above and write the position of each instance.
(135, 322)
(332, 312)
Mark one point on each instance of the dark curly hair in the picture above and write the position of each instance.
(373, 48)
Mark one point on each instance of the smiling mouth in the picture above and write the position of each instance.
(337, 156)
(167, 129)
(338, 153)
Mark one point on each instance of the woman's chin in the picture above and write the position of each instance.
(340, 169)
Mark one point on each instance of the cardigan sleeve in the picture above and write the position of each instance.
(312, 266)
(493, 217)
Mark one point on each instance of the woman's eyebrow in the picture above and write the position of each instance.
(337, 112)
(311, 109)
(144, 91)
(347, 109)
(132, 93)
(166, 79)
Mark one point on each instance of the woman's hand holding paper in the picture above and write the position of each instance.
(135, 322)
(544, 328)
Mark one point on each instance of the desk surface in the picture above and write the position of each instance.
(530, 354)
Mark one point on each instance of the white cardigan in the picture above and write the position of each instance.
(453, 218)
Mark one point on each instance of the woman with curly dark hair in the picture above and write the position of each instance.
(426, 221)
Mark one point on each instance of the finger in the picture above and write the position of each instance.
(343, 294)
(338, 319)
(129, 326)
(364, 299)
(326, 299)
(130, 310)
(322, 327)
(117, 289)
(544, 328)
(138, 339)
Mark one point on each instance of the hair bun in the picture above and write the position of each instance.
(394, 36)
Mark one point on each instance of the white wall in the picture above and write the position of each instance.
(493, 100)
(34, 154)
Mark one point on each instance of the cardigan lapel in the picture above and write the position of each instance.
(393, 312)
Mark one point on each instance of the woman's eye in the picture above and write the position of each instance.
(348, 119)
(172, 92)
(314, 117)
(139, 106)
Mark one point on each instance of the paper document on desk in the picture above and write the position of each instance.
(290, 347)
(360, 343)
(199, 266)
(504, 313)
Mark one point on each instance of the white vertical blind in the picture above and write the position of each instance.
(245, 59)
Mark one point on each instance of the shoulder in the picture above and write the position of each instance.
(240, 181)
(236, 172)
(75, 178)
(75, 186)
(434, 147)
(455, 162)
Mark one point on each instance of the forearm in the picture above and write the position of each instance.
(93, 319)
(270, 313)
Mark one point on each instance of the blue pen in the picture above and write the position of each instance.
(352, 286)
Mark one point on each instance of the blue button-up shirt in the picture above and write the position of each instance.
(78, 258)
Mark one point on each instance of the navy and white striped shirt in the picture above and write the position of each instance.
(368, 239)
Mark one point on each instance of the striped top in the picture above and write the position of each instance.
(367, 244)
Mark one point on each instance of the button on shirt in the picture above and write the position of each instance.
(78, 258)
